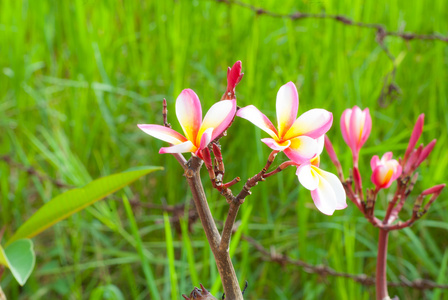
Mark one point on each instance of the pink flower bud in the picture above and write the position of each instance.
(355, 126)
(416, 133)
(385, 171)
(234, 76)
(434, 190)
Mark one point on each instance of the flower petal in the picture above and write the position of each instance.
(320, 144)
(287, 105)
(163, 133)
(206, 138)
(336, 185)
(375, 161)
(345, 125)
(357, 122)
(219, 117)
(274, 145)
(367, 126)
(307, 177)
(302, 149)
(256, 117)
(324, 197)
(189, 113)
(313, 123)
(180, 148)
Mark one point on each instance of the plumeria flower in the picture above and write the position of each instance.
(198, 132)
(295, 137)
(385, 170)
(326, 189)
(355, 126)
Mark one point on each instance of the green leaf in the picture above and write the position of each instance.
(70, 202)
(20, 258)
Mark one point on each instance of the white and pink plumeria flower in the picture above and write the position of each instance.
(326, 189)
(385, 170)
(198, 132)
(296, 137)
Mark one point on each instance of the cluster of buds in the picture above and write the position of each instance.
(355, 126)
(199, 294)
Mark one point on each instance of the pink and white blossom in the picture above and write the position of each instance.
(356, 125)
(198, 132)
(385, 170)
(296, 137)
(326, 189)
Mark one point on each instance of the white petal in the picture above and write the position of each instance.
(206, 138)
(219, 117)
(287, 105)
(302, 149)
(252, 114)
(189, 113)
(337, 187)
(313, 123)
(274, 145)
(307, 177)
(180, 148)
(163, 133)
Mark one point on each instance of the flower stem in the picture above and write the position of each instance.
(381, 265)
(222, 257)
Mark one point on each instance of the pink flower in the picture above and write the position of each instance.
(326, 189)
(385, 171)
(296, 137)
(198, 132)
(355, 126)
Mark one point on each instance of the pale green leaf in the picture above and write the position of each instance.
(70, 202)
(20, 258)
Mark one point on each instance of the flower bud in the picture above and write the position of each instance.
(355, 126)
(385, 171)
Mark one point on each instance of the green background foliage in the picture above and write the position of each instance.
(77, 76)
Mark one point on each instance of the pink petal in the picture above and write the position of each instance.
(189, 113)
(345, 125)
(416, 133)
(180, 148)
(313, 123)
(219, 117)
(386, 157)
(253, 115)
(355, 128)
(307, 177)
(302, 149)
(374, 162)
(163, 133)
(287, 105)
(274, 145)
(206, 138)
(367, 126)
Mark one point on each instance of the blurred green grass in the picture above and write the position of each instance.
(77, 76)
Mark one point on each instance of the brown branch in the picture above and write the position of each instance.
(236, 202)
(33, 172)
(389, 88)
(322, 270)
(222, 257)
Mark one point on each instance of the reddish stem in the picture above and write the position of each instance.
(381, 265)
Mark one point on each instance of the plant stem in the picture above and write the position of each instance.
(222, 257)
(381, 265)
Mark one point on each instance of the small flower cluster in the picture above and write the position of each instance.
(302, 141)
